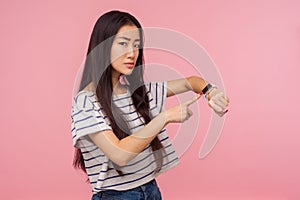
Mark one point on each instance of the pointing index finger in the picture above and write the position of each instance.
(195, 98)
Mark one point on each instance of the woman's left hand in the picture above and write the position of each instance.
(218, 101)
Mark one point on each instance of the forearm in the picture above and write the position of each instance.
(196, 84)
(137, 141)
(193, 83)
(122, 151)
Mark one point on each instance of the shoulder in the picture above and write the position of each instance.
(84, 99)
(156, 89)
(153, 86)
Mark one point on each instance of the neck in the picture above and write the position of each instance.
(115, 78)
(117, 87)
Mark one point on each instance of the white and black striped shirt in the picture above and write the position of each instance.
(87, 118)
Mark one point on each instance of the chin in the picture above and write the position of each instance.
(128, 72)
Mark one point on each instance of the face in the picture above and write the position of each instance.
(125, 50)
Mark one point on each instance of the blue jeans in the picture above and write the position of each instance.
(148, 191)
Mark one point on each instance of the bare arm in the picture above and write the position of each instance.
(122, 151)
(194, 83)
(216, 98)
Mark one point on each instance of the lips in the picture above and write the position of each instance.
(129, 65)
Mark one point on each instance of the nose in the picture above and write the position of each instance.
(130, 53)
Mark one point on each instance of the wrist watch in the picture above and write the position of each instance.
(207, 88)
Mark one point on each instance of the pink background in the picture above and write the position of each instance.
(256, 46)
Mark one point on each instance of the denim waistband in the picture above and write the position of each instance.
(141, 187)
(148, 190)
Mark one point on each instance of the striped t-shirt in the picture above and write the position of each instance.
(87, 118)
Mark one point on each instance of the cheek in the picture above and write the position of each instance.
(116, 53)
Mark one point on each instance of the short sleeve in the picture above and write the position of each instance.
(157, 92)
(87, 118)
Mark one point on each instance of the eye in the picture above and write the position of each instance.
(137, 46)
(123, 44)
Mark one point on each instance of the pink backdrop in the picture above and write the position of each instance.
(256, 46)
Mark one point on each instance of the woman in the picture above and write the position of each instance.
(118, 121)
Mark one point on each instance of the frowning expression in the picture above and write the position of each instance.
(125, 50)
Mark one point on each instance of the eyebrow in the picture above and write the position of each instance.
(126, 38)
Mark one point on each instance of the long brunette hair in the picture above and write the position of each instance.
(98, 70)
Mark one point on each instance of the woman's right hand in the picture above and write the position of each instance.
(181, 112)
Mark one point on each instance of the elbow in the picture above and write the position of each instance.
(123, 158)
(121, 164)
(121, 161)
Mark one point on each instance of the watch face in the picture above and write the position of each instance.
(207, 87)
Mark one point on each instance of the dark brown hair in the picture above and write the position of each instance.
(98, 70)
